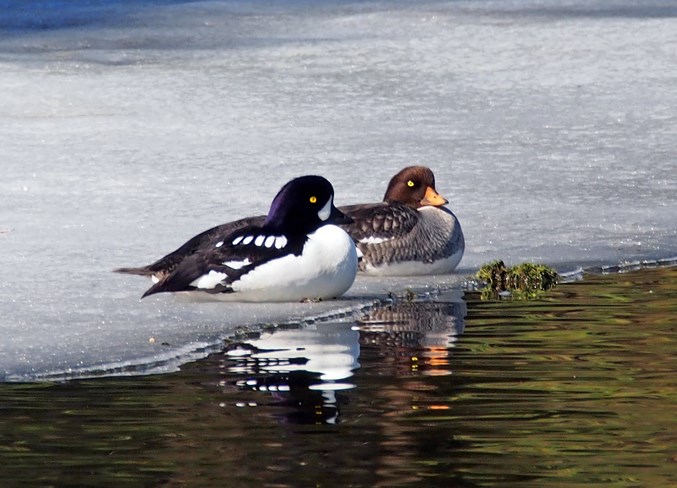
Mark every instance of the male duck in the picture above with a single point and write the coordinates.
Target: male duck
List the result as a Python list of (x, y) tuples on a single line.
[(297, 252), (409, 233)]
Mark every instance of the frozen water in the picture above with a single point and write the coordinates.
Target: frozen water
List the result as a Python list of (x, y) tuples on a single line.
[(126, 127)]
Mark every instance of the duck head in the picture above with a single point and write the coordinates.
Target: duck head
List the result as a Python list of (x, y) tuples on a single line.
[(304, 205), (414, 186)]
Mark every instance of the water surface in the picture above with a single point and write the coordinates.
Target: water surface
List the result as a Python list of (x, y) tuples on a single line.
[(127, 127), (574, 389)]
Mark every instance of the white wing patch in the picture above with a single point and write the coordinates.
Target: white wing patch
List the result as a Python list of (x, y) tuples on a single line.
[(237, 240), (270, 240), (247, 240), (209, 280), (237, 264), (372, 240), (259, 241), (219, 244)]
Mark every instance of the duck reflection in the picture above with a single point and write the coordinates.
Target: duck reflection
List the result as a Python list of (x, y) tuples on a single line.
[(301, 368), (308, 368), (416, 335)]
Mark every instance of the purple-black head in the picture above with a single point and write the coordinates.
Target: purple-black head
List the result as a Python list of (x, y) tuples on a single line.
[(305, 204)]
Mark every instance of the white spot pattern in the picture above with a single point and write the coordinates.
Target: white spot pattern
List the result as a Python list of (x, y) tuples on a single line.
[(219, 244), (280, 242), (268, 241)]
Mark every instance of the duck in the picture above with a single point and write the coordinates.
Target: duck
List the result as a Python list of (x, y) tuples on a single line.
[(297, 252), (410, 232)]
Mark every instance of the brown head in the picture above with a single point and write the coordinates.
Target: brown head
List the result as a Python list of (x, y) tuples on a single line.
[(414, 186)]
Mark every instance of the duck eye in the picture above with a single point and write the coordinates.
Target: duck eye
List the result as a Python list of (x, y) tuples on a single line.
[(410, 183), (313, 199)]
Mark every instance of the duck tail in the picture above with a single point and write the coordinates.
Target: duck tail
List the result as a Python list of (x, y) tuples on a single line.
[(144, 271)]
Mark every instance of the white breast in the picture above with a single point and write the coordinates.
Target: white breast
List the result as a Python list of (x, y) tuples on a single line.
[(326, 269), (416, 268)]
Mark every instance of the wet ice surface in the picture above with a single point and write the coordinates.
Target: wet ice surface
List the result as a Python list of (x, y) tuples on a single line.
[(128, 127)]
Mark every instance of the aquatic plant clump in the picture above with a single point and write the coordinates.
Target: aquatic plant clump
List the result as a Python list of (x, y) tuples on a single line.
[(525, 280)]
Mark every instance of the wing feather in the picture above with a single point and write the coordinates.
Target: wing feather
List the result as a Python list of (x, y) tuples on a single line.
[(167, 264), (380, 220), (210, 257)]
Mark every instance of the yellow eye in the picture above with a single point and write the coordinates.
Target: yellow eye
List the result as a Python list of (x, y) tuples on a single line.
[(410, 183), (313, 199)]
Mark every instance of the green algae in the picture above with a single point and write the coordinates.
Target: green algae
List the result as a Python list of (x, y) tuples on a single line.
[(524, 281)]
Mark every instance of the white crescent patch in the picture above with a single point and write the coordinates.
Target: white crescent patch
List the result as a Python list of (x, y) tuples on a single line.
[(325, 211)]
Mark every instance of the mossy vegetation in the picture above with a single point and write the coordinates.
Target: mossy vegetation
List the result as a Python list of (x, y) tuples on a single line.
[(524, 281)]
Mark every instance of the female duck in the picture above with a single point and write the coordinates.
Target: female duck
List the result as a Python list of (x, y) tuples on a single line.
[(409, 233)]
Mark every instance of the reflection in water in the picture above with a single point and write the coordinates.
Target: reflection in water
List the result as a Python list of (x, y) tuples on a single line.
[(302, 367), (419, 335), (574, 389), (307, 367)]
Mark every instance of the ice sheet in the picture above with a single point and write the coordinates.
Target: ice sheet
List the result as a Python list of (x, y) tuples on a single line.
[(127, 127)]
